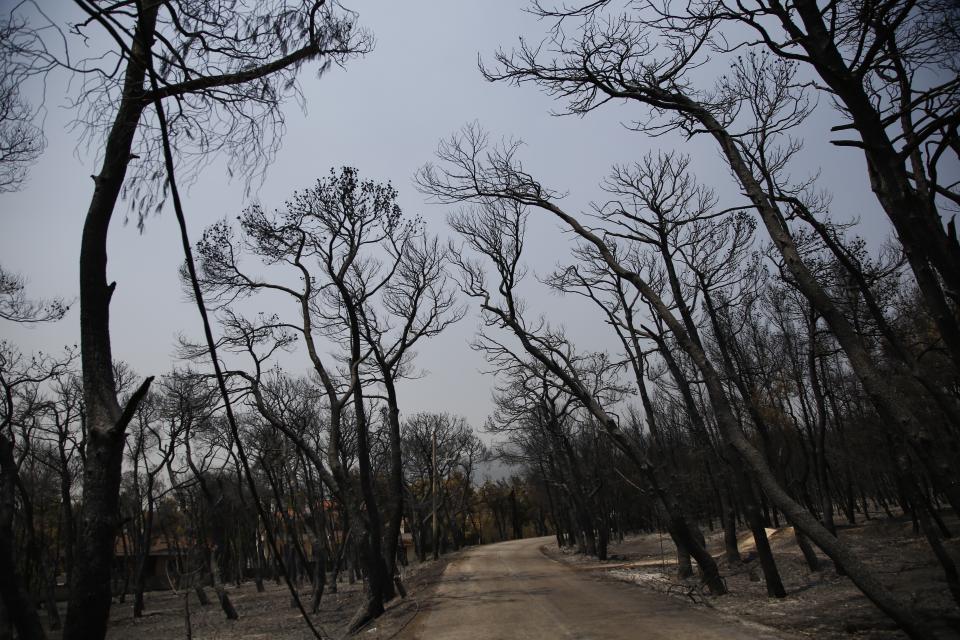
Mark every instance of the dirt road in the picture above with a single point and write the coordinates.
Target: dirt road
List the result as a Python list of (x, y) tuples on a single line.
[(512, 591)]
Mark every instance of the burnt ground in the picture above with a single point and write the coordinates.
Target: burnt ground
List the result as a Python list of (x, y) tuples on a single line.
[(820, 605), (268, 615)]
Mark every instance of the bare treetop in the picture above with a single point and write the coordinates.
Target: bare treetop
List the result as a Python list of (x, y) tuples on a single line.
[(228, 66), (15, 306)]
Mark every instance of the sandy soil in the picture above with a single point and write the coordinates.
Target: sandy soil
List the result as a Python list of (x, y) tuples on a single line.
[(820, 605), (511, 591)]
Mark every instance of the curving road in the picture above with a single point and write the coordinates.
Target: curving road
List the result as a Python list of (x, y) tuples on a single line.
[(512, 591)]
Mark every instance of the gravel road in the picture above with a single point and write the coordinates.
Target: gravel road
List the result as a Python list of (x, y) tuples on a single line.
[(513, 591)]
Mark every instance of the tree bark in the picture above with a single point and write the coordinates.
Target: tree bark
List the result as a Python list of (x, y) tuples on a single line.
[(919, 228), (319, 575), (767, 562), (222, 596), (395, 482), (898, 609), (202, 597), (89, 604), (140, 578), (730, 544), (17, 602)]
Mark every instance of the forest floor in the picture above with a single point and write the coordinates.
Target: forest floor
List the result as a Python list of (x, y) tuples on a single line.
[(268, 615), (820, 605)]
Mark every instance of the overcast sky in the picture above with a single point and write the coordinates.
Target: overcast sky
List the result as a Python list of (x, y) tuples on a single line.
[(384, 114)]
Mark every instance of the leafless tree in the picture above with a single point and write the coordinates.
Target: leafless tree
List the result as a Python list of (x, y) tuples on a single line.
[(417, 303), (21, 141), (473, 171), (225, 69), (18, 374), (667, 225), (496, 232), (156, 435), (540, 419), (440, 455), (21, 379), (16, 306), (368, 288), (891, 71), (751, 113)]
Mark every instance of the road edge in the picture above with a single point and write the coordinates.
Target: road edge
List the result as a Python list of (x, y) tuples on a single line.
[(607, 575)]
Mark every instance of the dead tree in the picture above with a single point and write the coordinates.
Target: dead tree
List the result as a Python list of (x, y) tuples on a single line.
[(16, 306), (228, 69), (156, 437), (20, 380), (474, 172), (540, 419), (417, 303), (21, 141), (345, 240), (446, 476), (496, 232), (647, 60), (870, 59)]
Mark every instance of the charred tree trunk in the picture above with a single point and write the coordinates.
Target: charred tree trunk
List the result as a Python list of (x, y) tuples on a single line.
[(859, 572), (767, 562), (140, 577), (66, 510), (515, 515), (17, 603), (89, 606), (225, 604), (684, 566), (201, 595), (809, 555), (728, 510), (6, 626), (378, 587), (395, 483), (319, 575), (261, 563), (187, 622)]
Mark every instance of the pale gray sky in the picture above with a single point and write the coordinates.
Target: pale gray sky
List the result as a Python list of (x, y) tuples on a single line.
[(383, 114)]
